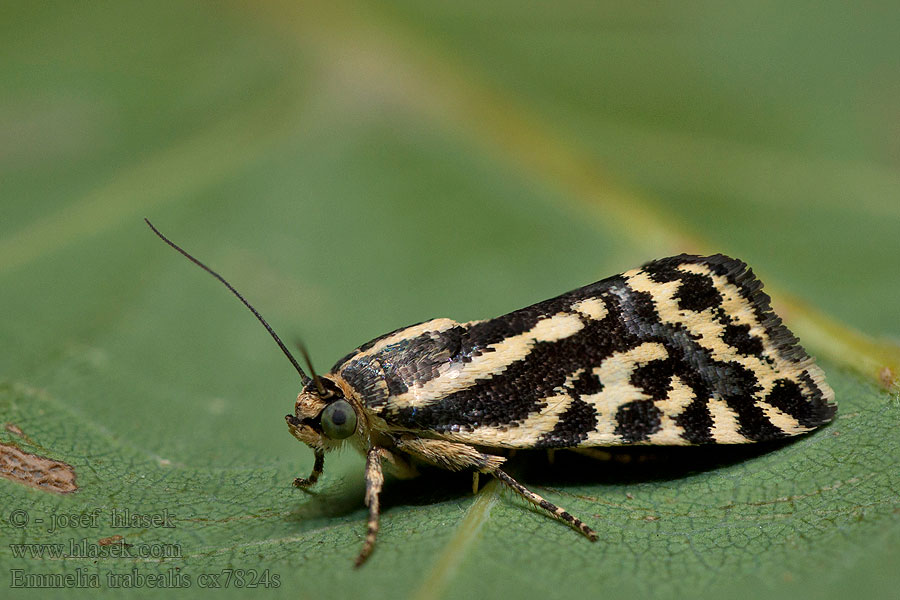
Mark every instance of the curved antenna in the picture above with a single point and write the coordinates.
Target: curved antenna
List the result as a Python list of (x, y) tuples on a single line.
[(303, 376)]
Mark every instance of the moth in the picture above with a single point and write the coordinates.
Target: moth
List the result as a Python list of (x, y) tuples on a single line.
[(682, 351)]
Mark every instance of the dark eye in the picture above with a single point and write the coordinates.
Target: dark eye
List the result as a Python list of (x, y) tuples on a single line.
[(338, 420)]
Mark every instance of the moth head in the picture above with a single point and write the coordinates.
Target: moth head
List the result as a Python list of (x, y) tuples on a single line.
[(323, 416)]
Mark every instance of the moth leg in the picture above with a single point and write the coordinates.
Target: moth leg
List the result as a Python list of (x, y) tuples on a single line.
[(452, 456), (374, 481), (318, 466), (398, 464), (456, 457), (554, 510)]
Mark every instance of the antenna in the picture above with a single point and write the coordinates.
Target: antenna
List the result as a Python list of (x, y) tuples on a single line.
[(304, 378)]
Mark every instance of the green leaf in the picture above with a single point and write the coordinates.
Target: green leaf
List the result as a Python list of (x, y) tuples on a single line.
[(358, 168)]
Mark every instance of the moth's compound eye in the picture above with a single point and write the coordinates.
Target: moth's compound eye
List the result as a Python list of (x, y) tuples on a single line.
[(338, 420)]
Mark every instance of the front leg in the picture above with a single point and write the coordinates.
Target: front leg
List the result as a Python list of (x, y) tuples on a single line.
[(318, 466), (374, 482)]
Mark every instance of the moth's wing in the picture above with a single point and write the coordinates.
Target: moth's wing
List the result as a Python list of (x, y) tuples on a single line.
[(386, 367), (685, 350)]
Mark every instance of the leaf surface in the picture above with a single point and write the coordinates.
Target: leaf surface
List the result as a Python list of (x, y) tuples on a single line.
[(355, 168)]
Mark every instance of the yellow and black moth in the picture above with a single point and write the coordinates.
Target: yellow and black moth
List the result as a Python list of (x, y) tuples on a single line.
[(682, 351)]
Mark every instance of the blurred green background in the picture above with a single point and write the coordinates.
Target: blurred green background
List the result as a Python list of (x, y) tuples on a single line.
[(354, 167)]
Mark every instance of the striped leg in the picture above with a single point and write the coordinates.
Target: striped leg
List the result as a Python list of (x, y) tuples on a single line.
[(554, 510), (318, 466), (374, 481)]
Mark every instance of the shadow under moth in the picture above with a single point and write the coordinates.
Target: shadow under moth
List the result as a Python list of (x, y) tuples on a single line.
[(682, 351)]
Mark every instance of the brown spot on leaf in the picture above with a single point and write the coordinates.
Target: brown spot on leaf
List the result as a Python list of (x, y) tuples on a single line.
[(109, 540), (16, 430), (36, 471)]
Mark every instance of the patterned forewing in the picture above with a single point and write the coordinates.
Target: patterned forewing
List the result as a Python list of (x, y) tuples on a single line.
[(684, 350)]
